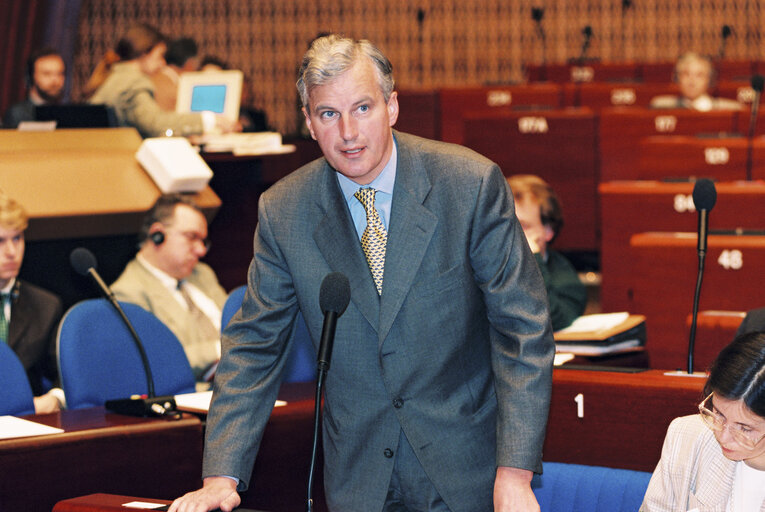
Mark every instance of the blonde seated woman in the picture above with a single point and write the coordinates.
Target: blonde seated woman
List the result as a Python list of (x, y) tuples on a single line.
[(694, 74), (715, 460)]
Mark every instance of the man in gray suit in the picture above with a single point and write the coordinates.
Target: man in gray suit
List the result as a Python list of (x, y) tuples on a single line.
[(441, 374)]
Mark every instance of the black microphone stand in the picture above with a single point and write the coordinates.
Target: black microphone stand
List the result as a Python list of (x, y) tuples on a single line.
[(697, 293)]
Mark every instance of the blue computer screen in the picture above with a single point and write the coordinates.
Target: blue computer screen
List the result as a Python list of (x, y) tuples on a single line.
[(208, 97)]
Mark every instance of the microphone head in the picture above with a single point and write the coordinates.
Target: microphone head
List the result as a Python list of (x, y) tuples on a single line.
[(82, 260), (587, 31), (704, 195), (726, 31), (537, 13), (335, 293), (757, 82)]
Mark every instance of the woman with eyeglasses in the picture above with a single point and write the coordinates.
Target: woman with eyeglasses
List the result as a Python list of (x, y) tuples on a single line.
[(715, 460)]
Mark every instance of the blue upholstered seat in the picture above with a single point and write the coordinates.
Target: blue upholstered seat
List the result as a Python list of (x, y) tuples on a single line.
[(301, 365), (580, 488), (16, 397), (99, 361)]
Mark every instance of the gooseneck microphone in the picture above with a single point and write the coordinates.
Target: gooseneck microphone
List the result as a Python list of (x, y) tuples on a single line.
[(757, 84), (587, 33), (334, 296), (84, 262), (704, 198)]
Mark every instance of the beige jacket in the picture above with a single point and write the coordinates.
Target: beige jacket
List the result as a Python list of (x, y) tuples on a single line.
[(693, 473), (131, 94), (139, 286)]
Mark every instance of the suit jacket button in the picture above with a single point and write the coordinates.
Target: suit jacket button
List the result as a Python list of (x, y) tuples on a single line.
[(398, 403), (388, 453)]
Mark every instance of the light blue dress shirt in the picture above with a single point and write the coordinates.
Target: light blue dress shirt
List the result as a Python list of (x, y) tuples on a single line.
[(383, 184)]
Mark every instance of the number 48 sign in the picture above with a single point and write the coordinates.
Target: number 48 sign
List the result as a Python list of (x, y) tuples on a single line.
[(731, 259)]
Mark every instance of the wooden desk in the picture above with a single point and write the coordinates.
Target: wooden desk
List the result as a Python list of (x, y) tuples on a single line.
[(625, 419), (80, 182), (522, 142), (455, 102), (99, 452), (631, 207), (683, 156), (621, 129), (664, 278), (598, 95)]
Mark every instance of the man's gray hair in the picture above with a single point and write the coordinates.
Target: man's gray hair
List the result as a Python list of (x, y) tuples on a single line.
[(330, 56)]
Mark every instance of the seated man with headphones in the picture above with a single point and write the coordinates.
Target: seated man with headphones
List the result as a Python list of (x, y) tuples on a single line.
[(167, 278), (45, 78), (695, 76)]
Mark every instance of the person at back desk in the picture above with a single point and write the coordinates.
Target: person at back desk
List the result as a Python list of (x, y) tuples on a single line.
[(129, 90), (46, 77), (167, 278), (694, 74), (29, 315), (539, 212)]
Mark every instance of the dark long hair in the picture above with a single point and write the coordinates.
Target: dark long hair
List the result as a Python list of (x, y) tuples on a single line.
[(738, 373)]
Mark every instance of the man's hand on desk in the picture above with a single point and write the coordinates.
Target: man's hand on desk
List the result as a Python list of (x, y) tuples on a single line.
[(217, 492)]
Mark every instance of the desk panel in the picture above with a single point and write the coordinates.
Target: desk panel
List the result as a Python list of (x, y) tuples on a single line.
[(455, 102), (714, 330), (523, 142), (621, 129), (664, 279), (625, 416), (599, 95), (631, 207), (100, 452), (584, 72), (682, 156)]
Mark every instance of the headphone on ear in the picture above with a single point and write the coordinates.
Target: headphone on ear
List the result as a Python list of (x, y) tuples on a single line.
[(157, 237)]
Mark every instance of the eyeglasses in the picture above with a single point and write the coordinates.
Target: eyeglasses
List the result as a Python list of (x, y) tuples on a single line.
[(193, 238), (743, 435)]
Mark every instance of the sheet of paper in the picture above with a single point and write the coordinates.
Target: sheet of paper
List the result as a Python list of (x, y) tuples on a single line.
[(562, 357), (11, 426), (597, 322), (143, 504), (200, 402)]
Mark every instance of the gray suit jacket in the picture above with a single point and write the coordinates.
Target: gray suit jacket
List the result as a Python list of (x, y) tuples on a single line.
[(457, 351), (139, 286)]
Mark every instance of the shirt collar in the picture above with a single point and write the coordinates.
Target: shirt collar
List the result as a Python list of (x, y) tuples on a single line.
[(166, 279), (9, 287), (382, 183)]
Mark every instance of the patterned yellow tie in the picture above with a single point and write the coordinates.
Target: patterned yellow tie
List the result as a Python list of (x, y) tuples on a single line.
[(374, 238)]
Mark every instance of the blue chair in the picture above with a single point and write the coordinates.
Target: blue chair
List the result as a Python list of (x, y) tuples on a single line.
[(579, 488), (16, 398), (301, 364), (98, 359)]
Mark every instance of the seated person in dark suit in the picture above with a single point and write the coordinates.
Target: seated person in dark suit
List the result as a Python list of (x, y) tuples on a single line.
[(754, 321), (694, 74), (538, 209), (46, 77), (29, 315)]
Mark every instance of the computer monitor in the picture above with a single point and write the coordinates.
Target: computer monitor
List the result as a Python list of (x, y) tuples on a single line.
[(214, 91), (77, 115)]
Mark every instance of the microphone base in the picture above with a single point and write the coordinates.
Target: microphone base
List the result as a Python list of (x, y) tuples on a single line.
[(683, 373), (142, 406)]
